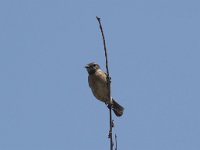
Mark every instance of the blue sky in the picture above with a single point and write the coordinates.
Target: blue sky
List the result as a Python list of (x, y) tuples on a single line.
[(153, 48)]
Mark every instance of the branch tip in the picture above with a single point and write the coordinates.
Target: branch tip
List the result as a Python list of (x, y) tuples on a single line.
[(98, 18)]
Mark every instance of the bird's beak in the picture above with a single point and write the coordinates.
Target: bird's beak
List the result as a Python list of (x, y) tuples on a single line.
[(86, 66)]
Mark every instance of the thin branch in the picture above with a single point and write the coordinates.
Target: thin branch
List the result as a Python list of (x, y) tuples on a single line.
[(115, 142), (108, 85)]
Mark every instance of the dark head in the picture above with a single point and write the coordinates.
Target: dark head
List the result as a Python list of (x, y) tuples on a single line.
[(92, 67)]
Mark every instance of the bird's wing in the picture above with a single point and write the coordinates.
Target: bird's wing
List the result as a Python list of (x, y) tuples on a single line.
[(101, 75)]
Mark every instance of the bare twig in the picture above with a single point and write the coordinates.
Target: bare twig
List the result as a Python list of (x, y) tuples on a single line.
[(108, 85), (115, 142)]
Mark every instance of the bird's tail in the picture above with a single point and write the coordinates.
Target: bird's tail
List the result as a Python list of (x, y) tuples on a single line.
[(117, 108)]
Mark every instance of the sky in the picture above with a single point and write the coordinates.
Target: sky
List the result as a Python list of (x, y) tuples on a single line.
[(153, 51)]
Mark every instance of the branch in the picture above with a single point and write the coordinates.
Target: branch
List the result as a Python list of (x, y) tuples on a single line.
[(108, 85)]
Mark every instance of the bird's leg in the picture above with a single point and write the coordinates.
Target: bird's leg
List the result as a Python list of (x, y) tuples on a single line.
[(110, 106)]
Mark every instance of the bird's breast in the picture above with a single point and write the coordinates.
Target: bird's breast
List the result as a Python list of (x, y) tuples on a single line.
[(98, 85)]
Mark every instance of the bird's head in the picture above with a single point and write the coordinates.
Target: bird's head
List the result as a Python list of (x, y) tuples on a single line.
[(92, 67)]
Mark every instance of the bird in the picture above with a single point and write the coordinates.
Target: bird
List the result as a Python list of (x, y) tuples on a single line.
[(97, 80)]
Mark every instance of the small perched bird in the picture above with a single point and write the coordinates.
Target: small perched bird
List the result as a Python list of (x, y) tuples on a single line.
[(97, 80)]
